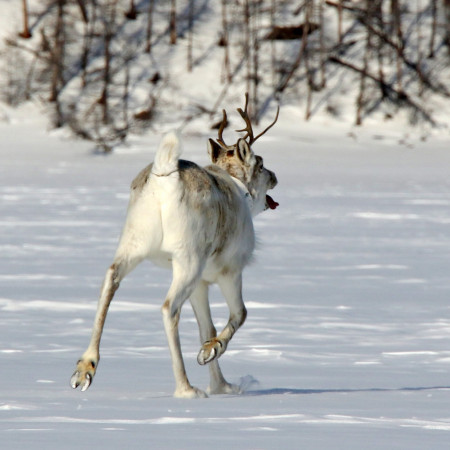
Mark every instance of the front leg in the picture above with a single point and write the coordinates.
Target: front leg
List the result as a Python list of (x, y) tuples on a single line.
[(87, 364), (213, 348), (200, 305)]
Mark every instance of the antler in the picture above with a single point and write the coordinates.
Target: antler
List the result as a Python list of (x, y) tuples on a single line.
[(270, 126), (248, 128), (223, 124), (244, 115)]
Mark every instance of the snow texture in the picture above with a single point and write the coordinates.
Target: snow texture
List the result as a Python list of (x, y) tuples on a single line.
[(346, 344)]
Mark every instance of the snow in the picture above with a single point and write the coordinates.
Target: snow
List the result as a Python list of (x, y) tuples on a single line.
[(346, 341)]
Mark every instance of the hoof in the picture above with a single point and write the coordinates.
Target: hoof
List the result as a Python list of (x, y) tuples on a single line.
[(210, 350), (224, 388), (83, 375), (190, 392)]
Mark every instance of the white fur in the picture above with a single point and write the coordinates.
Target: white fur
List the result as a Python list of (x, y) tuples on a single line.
[(167, 156), (168, 223)]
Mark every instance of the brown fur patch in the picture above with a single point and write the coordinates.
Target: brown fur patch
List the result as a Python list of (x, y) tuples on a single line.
[(141, 178), (212, 194)]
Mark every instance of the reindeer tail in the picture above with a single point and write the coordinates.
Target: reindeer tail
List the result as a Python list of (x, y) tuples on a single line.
[(167, 156)]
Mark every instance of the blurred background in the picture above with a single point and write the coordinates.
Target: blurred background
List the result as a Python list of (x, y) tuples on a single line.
[(108, 68)]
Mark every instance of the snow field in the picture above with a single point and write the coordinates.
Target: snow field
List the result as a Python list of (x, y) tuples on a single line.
[(346, 341)]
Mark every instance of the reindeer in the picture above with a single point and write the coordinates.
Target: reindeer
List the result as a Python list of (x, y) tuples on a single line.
[(198, 222)]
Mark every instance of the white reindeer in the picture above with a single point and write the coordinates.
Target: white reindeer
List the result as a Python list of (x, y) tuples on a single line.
[(198, 222)]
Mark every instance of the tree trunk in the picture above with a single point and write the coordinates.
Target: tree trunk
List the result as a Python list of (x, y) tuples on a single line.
[(397, 30), (190, 35), (255, 49), (104, 99), (434, 15), (89, 28), (323, 80), (419, 49), (340, 21), (109, 23), (173, 22), (308, 12), (447, 24), (57, 54), (58, 64), (378, 17), (83, 10), (225, 43), (362, 84), (25, 34), (125, 99), (247, 43)]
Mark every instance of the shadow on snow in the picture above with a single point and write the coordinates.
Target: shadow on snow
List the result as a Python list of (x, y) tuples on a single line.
[(288, 391)]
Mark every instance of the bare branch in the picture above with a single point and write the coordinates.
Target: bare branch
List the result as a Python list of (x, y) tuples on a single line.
[(388, 90)]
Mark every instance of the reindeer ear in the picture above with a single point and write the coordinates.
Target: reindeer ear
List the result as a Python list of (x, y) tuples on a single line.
[(214, 150), (244, 151)]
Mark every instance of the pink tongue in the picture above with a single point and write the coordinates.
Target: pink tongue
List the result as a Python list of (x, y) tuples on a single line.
[(271, 202)]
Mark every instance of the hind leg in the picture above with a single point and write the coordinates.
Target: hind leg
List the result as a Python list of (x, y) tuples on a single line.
[(87, 364), (185, 278), (200, 305)]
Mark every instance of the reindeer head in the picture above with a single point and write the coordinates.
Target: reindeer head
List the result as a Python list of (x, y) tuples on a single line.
[(241, 163)]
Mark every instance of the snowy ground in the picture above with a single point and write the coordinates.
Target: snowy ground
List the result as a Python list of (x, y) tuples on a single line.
[(346, 344)]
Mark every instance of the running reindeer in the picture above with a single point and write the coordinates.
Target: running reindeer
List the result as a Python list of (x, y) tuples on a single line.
[(198, 222)]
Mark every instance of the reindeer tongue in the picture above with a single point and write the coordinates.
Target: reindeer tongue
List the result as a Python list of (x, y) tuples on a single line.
[(271, 202)]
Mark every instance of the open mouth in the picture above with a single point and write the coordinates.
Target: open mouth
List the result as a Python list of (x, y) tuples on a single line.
[(271, 203)]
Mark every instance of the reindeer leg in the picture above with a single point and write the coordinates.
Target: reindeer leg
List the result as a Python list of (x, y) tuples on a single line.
[(185, 278), (231, 287), (87, 364), (200, 305)]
